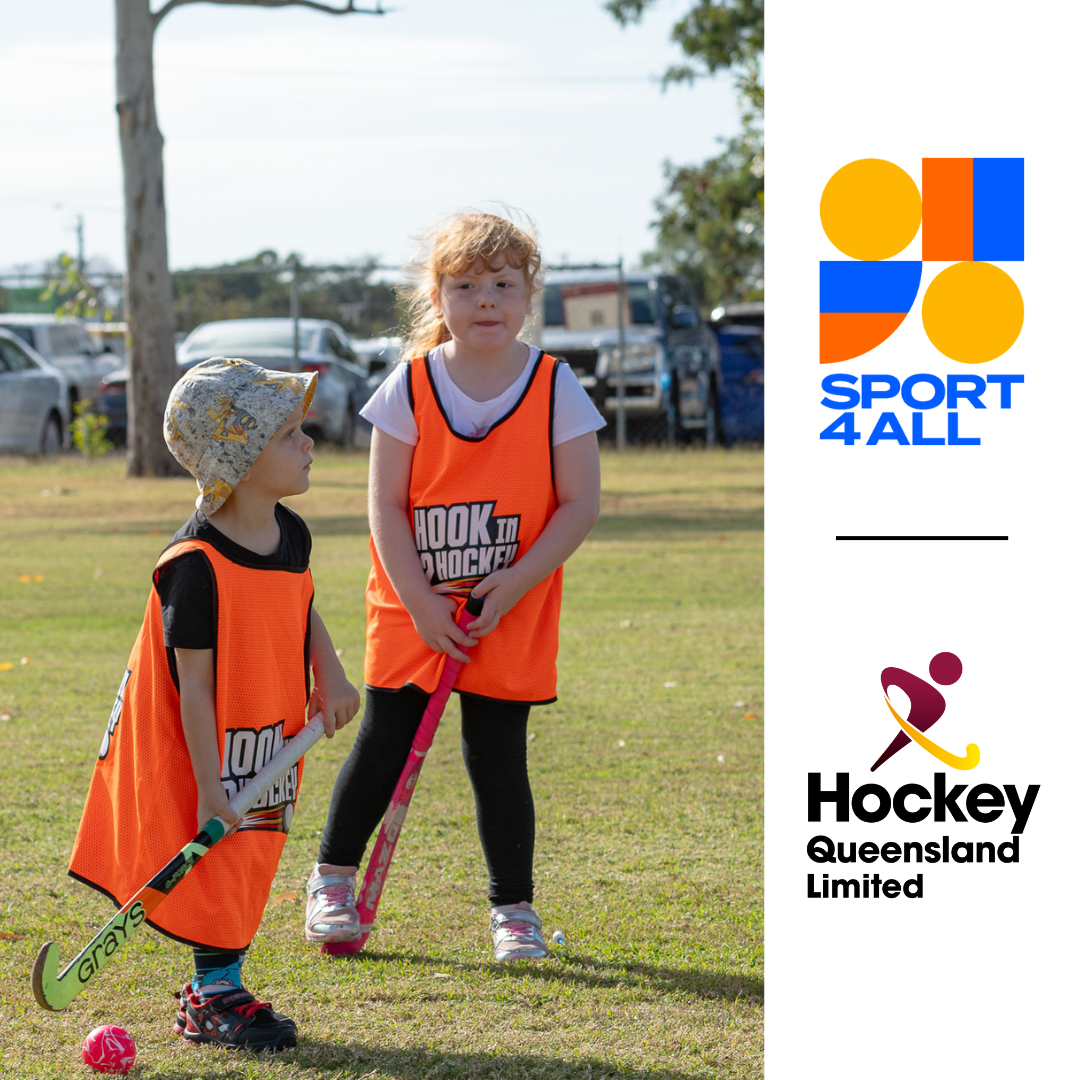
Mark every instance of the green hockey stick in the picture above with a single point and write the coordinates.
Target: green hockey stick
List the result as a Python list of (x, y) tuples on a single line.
[(57, 991)]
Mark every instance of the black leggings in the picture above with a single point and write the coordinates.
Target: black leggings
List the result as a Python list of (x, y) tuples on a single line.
[(493, 745)]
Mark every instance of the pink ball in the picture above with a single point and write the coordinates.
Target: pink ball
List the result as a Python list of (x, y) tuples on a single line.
[(109, 1049)]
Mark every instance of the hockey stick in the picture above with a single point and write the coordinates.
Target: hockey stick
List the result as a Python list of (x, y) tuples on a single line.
[(367, 901), (57, 992)]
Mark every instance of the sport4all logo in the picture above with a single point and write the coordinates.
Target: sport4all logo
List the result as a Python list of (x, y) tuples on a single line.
[(971, 213)]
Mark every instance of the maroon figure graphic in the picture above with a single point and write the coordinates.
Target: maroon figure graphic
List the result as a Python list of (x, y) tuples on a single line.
[(927, 703)]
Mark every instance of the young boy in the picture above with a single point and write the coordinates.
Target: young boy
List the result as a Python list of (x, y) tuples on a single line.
[(216, 682)]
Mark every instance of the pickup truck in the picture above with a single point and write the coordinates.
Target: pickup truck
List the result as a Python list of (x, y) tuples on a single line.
[(671, 367)]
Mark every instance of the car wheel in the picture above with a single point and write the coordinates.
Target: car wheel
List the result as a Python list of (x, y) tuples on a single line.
[(674, 414), (52, 436), (712, 416)]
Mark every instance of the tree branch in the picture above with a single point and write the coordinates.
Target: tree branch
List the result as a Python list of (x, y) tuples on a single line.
[(349, 9)]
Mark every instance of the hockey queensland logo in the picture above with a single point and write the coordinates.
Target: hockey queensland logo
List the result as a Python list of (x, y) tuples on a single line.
[(971, 213), (971, 816), (927, 708)]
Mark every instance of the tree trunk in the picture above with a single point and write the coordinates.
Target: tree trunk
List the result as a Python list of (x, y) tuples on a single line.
[(148, 300)]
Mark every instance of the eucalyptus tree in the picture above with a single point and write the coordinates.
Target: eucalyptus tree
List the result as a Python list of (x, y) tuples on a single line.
[(148, 298)]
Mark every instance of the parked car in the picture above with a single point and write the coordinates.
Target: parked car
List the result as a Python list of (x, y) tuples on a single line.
[(66, 345), (33, 400), (749, 314), (670, 370), (324, 347), (742, 367), (112, 404), (109, 337), (376, 356)]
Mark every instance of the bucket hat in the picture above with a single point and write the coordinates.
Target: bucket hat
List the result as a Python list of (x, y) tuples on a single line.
[(222, 413)]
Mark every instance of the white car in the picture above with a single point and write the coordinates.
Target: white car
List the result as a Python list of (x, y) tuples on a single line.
[(65, 344), (376, 356), (33, 399)]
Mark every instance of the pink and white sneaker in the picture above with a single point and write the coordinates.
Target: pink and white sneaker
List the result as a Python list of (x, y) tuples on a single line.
[(516, 932), (331, 907)]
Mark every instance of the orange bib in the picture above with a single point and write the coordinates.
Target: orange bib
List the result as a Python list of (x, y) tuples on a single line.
[(476, 504), (141, 807)]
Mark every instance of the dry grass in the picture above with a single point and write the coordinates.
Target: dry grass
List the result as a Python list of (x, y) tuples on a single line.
[(648, 848)]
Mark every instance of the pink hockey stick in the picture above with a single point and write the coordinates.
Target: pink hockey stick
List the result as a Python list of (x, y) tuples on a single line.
[(367, 901)]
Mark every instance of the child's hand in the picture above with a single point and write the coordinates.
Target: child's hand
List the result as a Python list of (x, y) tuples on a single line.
[(434, 618), (501, 591), (336, 698), (213, 802)]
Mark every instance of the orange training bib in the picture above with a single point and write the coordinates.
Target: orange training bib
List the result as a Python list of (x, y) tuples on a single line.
[(476, 504), (140, 810)]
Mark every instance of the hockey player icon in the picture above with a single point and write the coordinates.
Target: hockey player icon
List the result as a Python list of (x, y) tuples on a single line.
[(927, 707)]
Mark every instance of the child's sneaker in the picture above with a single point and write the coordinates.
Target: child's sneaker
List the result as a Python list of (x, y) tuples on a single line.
[(515, 932), (331, 906), (234, 1020), (181, 1022)]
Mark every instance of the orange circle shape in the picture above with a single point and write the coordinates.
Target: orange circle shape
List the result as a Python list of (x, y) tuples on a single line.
[(871, 209), (973, 312)]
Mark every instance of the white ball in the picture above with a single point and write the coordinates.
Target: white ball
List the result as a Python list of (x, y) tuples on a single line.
[(558, 938)]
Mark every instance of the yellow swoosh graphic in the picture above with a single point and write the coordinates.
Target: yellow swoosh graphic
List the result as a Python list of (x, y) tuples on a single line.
[(969, 761)]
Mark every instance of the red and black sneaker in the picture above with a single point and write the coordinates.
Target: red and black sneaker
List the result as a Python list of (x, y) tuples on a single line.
[(234, 1020)]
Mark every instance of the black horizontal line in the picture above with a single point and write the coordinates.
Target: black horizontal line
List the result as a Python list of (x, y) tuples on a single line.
[(922, 538)]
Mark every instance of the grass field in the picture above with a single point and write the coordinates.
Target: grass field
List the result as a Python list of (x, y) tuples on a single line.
[(647, 774)]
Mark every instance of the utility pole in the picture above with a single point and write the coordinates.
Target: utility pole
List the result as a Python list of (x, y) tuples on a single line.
[(620, 382), (79, 234), (294, 311)]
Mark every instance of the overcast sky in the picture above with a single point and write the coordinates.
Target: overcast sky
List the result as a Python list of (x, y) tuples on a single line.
[(337, 137)]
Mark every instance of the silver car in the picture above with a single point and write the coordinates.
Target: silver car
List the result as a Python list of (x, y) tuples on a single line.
[(65, 344), (342, 390), (33, 399)]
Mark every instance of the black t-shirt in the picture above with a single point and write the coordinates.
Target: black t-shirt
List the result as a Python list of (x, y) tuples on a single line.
[(187, 588)]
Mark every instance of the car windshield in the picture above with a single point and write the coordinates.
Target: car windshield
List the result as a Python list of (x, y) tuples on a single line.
[(595, 305), (24, 332), (752, 345), (232, 337)]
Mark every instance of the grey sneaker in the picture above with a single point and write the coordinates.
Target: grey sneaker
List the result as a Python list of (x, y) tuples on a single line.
[(331, 906), (515, 932)]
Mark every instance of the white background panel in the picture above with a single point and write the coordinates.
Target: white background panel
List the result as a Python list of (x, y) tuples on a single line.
[(977, 978)]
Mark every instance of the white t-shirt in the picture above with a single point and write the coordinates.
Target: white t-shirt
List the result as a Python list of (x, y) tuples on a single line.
[(389, 410)]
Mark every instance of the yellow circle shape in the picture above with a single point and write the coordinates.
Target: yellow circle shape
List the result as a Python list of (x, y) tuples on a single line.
[(871, 209), (973, 312)]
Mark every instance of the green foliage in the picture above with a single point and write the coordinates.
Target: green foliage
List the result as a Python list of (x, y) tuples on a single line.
[(715, 36), (88, 430), (348, 296), (711, 227), (73, 294), (712, 222)]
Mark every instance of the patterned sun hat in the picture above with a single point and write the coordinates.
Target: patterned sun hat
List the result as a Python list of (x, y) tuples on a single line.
[(222, 413)]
